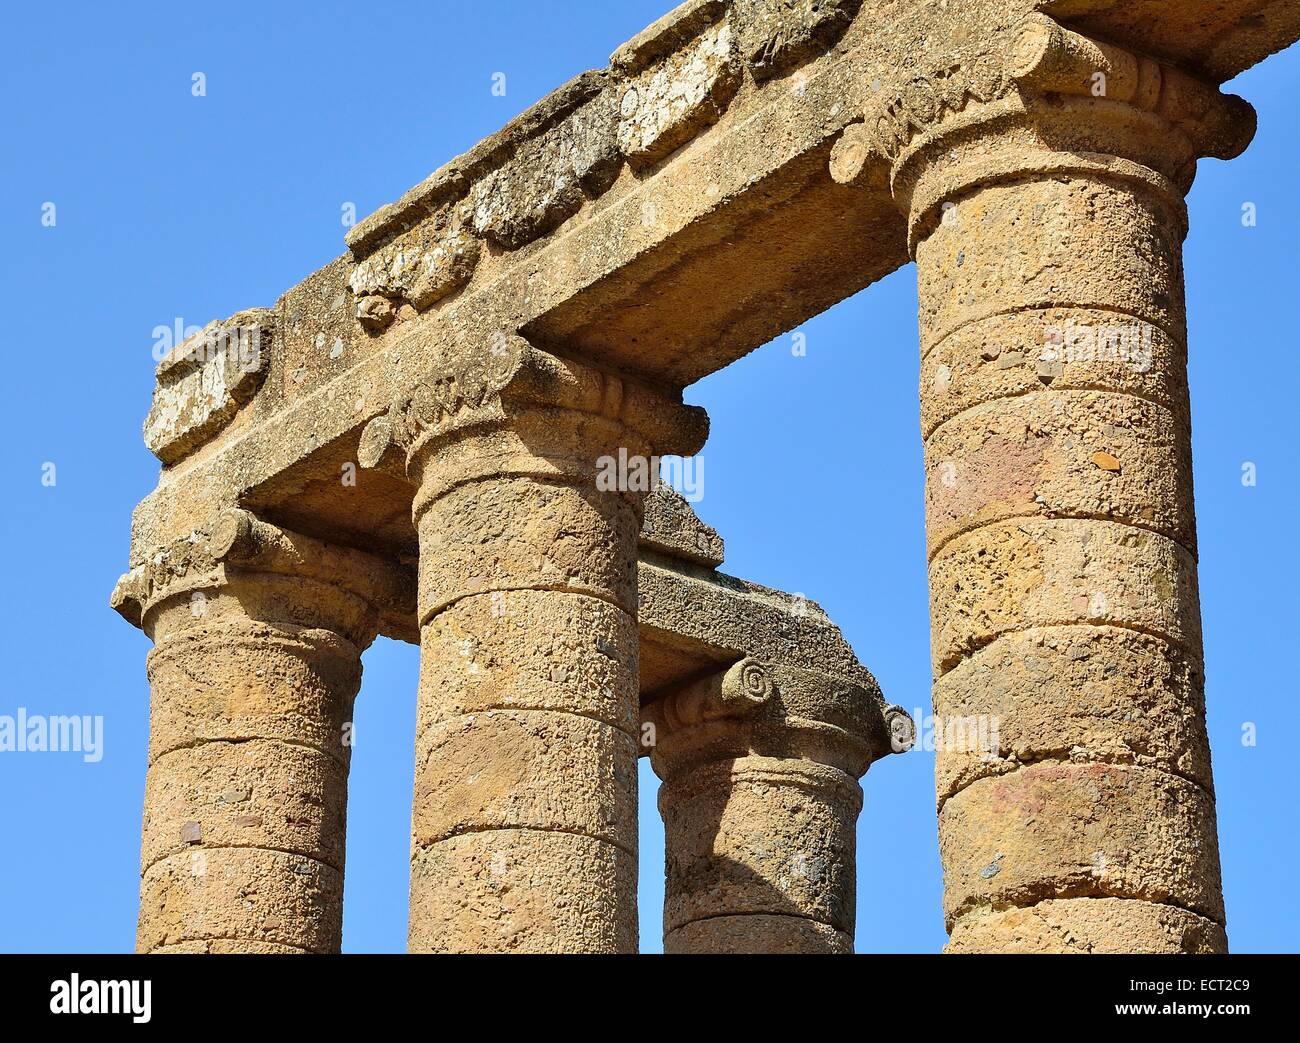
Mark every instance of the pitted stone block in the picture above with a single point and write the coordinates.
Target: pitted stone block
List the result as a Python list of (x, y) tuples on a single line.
[(445, 185), (203, 381), (777, 36), (670, 33), (668, 102), (672, 527), (1088, 925), (548, 176), (423, 265)]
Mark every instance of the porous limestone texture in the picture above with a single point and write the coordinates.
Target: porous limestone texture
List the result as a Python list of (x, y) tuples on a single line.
[(524, 820), (257, 636), (203, 382), (760, 804), (1089, 925), (1047, 223), (406, 443)]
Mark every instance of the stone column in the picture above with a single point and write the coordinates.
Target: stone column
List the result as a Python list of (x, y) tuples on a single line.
[(760, 801), (1044, 188), (524, 832), (258, 635)]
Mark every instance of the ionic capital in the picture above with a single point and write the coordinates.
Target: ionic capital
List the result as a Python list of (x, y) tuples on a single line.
[(760, 802), (524, 405), (269, 572), (759, 709), (1039, 100)]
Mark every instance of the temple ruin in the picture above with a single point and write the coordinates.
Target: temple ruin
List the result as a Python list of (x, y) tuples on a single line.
[(408, 443)]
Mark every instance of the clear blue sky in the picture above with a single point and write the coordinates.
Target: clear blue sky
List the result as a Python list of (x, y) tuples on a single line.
[(171, 206)]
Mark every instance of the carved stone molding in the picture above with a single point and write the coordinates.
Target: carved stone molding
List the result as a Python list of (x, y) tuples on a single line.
[(666, 103), (1047, 58), (481, 384), (184, 564), (1041, 57), (777, 36), (1056, 102), (548, 177), (901, 112), (419, 267), (240, 541), (773, 710), (663, 88)]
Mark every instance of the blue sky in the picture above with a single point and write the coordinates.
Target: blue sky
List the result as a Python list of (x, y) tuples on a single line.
[(171, 206)]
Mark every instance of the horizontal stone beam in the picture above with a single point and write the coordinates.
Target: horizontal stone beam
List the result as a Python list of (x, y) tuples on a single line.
[(660, 217), (693, 619), (606, 222), (1214, 39), (708, 617)]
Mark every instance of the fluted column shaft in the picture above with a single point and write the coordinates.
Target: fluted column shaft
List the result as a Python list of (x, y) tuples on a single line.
[(1047, 227)]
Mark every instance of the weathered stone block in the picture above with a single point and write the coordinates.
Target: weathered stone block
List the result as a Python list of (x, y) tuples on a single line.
[(1055, 830), (203, 382), (295, 700), (528, 650), (445, 185), (1041, 572), (1065, 349), (260, 793), (1083, 454), (525, 769), (546, 177), (760, 835), (1117, 243), (1078, 693), (523, 890), (1088, 925), (249, 895), (778, 36), (423, 265), (668, 34), (472, 543), (665, 104), (671, 527), (229, 946), (757, 934)]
